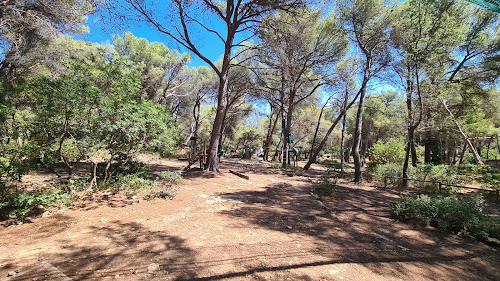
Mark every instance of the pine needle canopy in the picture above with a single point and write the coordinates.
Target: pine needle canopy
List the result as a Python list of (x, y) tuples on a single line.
[(493, 5)]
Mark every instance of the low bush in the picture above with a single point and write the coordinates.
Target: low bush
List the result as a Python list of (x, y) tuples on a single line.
[(326, 187), (490, 177), (459, 215), (133, 182), (162, 192), (439, 173), (22, 203), (122, 166), (391, 172), (172, 178), (327, 161), (293, 171)]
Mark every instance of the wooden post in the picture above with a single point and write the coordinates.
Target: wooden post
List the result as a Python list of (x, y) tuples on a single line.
[(440, 186)]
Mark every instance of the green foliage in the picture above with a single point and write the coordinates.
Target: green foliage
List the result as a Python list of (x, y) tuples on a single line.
[(276, 166), (133, 182), (23, 203), (490, 177), (292, 171), (439, 173), (250, 140), (172, 178), (391, 171), (326, 187), (328, 161), (124, 165), (458, 215), (390, 152)]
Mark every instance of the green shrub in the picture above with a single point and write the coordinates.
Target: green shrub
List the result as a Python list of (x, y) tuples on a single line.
[(134, 182), (293, 171), (326, 187), (490, 177), (390, 152), (122, 166), (459, 215), (327, 161), (439, 173), (22, 203), (76, 184), (173, 178), (162, 192), (391, 172)]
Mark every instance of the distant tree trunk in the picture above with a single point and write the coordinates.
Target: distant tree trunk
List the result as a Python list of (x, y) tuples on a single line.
[(467, 140), (93, 177), (407, 155), (342, 143), (488, 149), (314, 155), (461, 160), (498, 145), (269, 139), (427, 152), (455, 148)]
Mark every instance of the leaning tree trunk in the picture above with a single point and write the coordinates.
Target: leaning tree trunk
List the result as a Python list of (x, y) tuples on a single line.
[(314, 155), (319, 123), (473, 150)]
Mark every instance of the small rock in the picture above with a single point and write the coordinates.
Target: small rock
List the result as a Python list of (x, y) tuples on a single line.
[(12, 216), (153, 268), (11, 273)]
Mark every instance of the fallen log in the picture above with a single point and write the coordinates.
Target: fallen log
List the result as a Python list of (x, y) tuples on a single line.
[(240, 175)]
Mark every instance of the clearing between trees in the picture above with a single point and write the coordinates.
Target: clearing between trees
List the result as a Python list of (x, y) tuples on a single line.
[(223, 227)]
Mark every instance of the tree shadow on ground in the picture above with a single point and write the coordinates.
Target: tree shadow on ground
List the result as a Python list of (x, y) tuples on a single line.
[(357, 229), (128, 252)]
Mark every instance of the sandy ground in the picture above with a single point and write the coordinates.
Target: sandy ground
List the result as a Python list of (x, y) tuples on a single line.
[(222, 227)]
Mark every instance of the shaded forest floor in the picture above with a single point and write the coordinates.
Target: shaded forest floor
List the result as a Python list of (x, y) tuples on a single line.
[(222, 227)]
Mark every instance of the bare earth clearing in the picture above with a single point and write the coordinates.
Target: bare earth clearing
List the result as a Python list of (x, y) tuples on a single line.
[(222, 227)]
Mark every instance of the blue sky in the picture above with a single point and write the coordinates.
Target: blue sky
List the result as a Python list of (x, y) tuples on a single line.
[(209, 45)]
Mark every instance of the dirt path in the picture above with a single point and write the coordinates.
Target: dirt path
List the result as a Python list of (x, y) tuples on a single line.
[(222, 227)]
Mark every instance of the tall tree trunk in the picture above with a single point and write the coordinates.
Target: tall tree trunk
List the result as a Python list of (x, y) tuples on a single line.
[(467, 140), (212, 163), (359, 126), (342, 148)]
